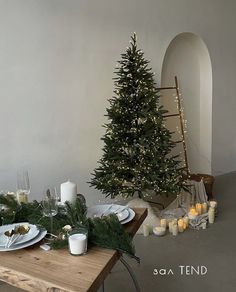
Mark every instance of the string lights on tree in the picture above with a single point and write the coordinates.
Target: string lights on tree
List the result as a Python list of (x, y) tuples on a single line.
[(137, 145)]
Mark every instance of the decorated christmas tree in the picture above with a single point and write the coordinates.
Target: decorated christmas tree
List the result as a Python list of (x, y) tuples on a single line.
[(136, 153)]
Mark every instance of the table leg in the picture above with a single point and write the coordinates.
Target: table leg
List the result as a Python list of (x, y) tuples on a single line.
[(103, 286), (132, 275)]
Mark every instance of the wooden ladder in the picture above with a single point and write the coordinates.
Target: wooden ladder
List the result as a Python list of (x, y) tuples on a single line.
[(181, 117)]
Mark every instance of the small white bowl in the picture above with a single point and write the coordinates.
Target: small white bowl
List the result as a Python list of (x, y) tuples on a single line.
[(159, 231)]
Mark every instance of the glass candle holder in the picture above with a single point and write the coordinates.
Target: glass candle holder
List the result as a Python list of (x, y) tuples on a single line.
[(78, 239)]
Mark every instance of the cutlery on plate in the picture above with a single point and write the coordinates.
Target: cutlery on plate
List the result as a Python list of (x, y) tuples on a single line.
[(15, 233), (9, 234), (20, 231)]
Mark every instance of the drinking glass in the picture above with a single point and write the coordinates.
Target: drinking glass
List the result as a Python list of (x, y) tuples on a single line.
[(23, 186), (50, 205)]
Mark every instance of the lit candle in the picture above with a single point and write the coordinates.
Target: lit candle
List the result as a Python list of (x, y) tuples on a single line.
[(185, 226), (163, 223), (211, 215), (175, 229), (204, 208), (181, 225), (192, 210), (68, 192), (146, 230), (199, 208)]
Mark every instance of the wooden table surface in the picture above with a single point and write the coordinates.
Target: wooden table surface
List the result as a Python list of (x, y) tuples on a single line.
[(34, 269)]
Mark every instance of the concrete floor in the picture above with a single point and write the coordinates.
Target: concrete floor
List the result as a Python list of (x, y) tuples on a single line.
[(214, 248)]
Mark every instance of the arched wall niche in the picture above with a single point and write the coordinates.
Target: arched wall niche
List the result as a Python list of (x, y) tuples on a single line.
[(187, 57)]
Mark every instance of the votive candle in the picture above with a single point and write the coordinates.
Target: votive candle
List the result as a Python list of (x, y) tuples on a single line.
[(78, 244)]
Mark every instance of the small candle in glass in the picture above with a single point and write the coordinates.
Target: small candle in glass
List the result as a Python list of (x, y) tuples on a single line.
[(78, 238)]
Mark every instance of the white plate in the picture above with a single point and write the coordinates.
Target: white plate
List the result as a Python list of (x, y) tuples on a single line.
[(105, 210), (33, 232), (130, 218), (40, 236)]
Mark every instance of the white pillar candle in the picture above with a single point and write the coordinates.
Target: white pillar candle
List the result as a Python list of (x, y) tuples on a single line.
[(163, 223), (186, 221), (175, 229), (211, 215), (204, 208), (146, 230), (68, 192), (78, 243), (170, 226)]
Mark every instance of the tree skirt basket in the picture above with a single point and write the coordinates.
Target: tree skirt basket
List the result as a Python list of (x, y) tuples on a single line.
[(208, 181)]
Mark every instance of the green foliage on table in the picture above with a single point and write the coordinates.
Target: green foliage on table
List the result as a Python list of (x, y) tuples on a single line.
[(105, 232), (137, 145), (102, 234)]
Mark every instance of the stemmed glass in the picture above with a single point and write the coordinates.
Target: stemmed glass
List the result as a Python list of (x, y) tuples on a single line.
[(23, 186), (50, 205)]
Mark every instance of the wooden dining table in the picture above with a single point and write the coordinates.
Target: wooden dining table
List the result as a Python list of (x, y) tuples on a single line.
[(33, 269)]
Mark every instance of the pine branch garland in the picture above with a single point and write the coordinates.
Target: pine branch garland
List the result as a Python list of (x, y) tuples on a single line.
[(108, 232), (105, 232)]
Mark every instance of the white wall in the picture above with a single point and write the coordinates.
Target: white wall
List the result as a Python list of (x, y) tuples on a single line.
[(56, 65), (187, 58)]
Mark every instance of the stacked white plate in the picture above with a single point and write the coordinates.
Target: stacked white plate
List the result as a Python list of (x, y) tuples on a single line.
[(124, 214), (33, 236)]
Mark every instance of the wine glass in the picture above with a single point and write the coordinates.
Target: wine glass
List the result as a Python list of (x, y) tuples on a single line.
[(23, 186), (50, 205)]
